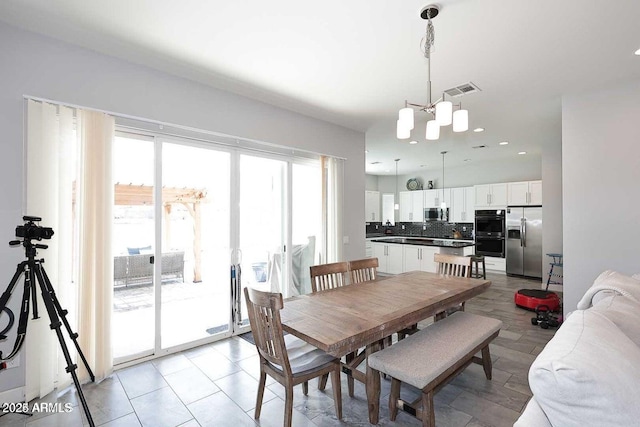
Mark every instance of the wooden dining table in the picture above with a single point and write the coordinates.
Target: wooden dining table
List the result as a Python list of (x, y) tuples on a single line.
[(342, 320)]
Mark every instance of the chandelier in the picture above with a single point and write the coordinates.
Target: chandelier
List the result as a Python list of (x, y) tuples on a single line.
[(441, 111)]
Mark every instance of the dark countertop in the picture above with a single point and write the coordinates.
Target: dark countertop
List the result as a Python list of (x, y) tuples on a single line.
[(422, 241)]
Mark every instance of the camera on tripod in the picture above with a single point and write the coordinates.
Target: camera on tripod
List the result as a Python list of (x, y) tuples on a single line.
[(30, 230)]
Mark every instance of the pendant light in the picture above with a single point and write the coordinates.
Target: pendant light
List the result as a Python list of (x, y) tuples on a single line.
[(396, 205)]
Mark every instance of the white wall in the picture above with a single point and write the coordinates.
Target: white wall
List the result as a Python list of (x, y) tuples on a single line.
[(601, 181), (42, 67), (551, 202)]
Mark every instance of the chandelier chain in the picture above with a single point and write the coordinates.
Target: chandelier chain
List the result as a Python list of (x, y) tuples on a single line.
[(428, 40)]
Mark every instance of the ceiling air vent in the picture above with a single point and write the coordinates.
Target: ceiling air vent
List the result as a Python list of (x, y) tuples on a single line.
[(480, 146), (463, 89), (375, 163)]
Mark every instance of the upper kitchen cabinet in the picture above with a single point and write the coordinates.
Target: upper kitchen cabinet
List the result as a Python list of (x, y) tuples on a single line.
[(462, 205), (372, 206), (412, 206), (491, 195), (524, 193), (433, 198)]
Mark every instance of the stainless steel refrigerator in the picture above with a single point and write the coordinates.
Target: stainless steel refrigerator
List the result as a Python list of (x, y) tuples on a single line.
[(524, 241)]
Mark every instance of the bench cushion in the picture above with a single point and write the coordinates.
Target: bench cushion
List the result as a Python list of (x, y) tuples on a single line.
[(421, 357)]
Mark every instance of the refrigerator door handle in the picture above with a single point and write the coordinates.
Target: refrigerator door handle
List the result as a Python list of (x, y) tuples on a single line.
[(523, 233)]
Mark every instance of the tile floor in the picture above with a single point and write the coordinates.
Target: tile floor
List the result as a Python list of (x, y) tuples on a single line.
[(215, 385)]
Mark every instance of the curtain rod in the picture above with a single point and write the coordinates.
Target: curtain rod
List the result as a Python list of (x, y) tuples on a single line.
[(182, 127)]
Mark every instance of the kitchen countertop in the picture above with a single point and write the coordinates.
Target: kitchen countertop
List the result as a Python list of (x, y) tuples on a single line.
[(425, 241)]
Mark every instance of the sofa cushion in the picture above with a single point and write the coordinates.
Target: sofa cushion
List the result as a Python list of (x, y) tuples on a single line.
[(622, 311), (608, 283), (532, 416), (588, 374)]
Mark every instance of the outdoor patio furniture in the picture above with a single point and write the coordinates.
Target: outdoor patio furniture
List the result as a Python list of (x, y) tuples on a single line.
[(137, 269)]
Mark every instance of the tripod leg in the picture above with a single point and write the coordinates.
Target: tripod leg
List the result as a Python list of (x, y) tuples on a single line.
[(55, 325), (63, 315)]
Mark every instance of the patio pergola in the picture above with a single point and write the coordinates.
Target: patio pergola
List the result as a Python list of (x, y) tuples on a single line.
[(191, 198)]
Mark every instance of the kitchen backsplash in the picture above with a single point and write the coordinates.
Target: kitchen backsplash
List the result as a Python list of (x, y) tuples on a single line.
[(438, 229)]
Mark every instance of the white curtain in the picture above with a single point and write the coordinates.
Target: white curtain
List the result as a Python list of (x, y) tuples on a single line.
[(333, 181), (68, 184), (50, 169), (95, 284)]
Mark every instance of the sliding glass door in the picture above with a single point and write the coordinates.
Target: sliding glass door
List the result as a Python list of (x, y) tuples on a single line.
[(194, 224)]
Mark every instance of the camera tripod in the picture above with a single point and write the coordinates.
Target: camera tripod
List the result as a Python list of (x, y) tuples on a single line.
[(35, 274)]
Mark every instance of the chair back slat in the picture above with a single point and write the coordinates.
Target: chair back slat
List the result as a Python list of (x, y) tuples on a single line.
[(264, 316), (328, 276), (453, 265), (363, 270)]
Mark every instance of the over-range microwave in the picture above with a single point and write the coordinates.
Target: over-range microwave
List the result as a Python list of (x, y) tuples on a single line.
[(436, 214)]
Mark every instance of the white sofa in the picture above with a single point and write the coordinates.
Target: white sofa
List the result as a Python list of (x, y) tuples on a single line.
[(589, 373)]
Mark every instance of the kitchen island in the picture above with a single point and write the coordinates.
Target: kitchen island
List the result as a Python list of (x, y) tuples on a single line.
[(398, 254)]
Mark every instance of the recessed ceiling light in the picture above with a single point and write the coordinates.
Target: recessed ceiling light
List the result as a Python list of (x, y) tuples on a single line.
[(413, 142), (478, 130), (504, 143), (366, 151), (522, 152), (637, 52)]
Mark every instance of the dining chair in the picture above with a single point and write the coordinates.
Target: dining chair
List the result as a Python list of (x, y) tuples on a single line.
[(363, 270), (287, 359), (452, 265), (328, 276)]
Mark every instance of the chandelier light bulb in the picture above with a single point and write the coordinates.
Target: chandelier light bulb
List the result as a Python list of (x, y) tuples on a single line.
[(460, 120), (433, 130), (402, 132), (405, 116), (443, 113)]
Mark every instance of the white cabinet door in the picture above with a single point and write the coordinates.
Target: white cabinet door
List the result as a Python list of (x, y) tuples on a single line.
[(411, 206), (482, 195), (432, 198), (469, 205), (499, 195), (417, 206), (535, 193), (517, 193), (394, 259), (389, 257), (427, 263), (372, 206), (457, 208), (524, 193), (411, 258), (491, 195), (406, 206)]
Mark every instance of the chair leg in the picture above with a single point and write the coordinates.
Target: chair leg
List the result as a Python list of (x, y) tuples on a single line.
[(428, 414), (263, 380), (288, 406), (486, 362), (337, 391), (305, 388), (322, 381), (394, 395)]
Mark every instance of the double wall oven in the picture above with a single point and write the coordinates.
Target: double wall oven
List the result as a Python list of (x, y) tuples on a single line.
[(490, 232)]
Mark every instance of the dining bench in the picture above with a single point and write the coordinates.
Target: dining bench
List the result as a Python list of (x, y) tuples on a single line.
[(432, 357)]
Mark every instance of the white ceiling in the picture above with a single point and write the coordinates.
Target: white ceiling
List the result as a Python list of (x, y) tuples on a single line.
[(355, 62)]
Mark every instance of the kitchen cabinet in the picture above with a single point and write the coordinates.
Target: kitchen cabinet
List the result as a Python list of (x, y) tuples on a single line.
[(433, 198), (462, 207), (419, 258), (524, 193), (412, 206), (491, 195), (372, 206), (389, 256)]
